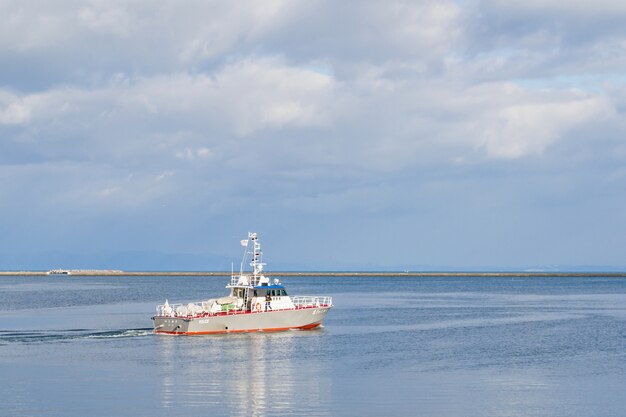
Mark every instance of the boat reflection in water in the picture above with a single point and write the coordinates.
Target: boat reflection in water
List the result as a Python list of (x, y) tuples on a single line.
[(252, 374)]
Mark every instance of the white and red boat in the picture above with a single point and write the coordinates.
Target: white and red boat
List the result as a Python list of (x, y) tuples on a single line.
[(254, 304)]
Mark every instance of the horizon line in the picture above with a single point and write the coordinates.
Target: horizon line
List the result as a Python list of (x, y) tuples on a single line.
[(492, 273)]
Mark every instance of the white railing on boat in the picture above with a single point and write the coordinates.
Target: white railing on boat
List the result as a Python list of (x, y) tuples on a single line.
[(203, 308), (238, 280), (198, 309), (173, 310), (302, 301)]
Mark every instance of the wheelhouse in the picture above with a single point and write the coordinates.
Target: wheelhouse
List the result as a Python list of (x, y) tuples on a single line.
[(272, 290)]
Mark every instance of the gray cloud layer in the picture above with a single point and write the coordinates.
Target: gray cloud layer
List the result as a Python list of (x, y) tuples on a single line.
[(398, 133)]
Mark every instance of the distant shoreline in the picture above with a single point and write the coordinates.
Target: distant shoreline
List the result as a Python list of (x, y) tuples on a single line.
[(323, 274)]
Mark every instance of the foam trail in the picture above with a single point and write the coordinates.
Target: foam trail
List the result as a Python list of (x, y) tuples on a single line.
[(47, 336), (122, 333)]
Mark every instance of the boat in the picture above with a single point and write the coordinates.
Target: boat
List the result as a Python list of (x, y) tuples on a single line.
[(254, 303), (59, 272)]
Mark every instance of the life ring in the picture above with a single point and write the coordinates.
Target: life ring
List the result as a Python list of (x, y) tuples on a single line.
[(257, 307)]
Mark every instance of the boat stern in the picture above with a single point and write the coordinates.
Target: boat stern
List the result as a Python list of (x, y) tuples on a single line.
[(170, 325)]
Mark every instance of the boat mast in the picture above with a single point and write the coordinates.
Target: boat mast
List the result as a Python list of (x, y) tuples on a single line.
[(244, 243), (257, 266)]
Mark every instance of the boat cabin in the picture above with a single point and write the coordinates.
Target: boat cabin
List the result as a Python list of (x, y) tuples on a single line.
[(255, 298), (272, 290), (270, 297)]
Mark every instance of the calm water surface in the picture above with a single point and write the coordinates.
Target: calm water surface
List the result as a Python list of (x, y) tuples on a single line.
[(82, 346)]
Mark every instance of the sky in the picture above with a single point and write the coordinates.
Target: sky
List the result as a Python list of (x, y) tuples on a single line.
[(401, 135)]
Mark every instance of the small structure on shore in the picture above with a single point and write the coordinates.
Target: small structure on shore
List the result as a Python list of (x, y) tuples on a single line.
[(59, 272)]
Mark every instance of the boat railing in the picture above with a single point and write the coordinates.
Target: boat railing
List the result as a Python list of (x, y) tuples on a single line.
[(304, 301), (237, 279), (201, 309), (194, 310), (168, 310), (246, 280)]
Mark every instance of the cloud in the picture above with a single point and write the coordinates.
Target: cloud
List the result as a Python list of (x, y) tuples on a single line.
[(521, 130), (109, 191), (521, 123), (189, 154), (109, 20), (256, 95), (573, 7), (13, 111), (162, 176), (238, 99), (408, 110)]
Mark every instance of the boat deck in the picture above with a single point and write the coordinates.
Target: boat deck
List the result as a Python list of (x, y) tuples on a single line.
[(238, 312)]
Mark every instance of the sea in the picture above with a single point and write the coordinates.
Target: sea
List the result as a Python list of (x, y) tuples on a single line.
[(391, 346)]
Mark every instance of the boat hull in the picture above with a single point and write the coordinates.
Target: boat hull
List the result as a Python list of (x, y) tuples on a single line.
[(303, 318)]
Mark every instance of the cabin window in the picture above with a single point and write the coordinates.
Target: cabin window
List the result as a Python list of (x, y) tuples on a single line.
[(283, 292)]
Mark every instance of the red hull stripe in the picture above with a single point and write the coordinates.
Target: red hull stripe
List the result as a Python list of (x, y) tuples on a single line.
[(276, 329)]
